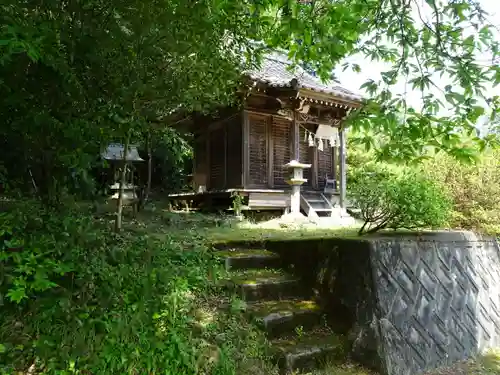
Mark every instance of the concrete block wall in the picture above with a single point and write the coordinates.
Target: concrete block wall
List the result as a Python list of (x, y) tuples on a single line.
[(438, 299)]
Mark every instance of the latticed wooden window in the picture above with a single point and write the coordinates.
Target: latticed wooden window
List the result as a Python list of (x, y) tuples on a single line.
[(281, 133), (306, 151), (200, 155), (233, 153), (258, 145), (217, 159), (325, 165)]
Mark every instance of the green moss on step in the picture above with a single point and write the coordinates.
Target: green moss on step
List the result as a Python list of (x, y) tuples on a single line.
[(309, 340), (244, 253), (258, 276), (262, 309)]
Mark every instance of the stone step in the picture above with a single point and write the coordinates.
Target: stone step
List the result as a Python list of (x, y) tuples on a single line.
[(282, 317), (307, 352), (237, 259), (264, 285)]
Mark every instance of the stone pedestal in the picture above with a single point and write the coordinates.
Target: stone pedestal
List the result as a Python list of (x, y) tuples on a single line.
[(295, 180)]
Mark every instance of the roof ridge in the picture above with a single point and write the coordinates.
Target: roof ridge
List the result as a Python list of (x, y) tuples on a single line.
[(287, 61), (274, 70)]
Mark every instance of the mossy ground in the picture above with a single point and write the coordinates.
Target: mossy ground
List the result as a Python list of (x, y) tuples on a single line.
[(300, 340), (220, 229), (243, 254)]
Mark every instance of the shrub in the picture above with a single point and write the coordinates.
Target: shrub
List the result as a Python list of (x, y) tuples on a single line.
[(474, 189), (78, 300), (397, 198)]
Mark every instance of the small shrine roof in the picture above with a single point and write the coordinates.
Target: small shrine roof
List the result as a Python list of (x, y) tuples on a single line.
[(115, 151)]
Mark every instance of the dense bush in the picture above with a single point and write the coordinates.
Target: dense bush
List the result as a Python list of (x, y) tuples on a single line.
[(78, 300), (397, 198), (171, 160), (474, 189)]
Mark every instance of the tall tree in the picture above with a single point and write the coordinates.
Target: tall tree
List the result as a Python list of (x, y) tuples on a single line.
[(422, 43), (77, 73)]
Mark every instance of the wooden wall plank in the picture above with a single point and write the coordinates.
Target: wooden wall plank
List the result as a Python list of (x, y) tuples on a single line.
[(245, 150), (270, 154), (234, 156), (282, 143), (258, 150)]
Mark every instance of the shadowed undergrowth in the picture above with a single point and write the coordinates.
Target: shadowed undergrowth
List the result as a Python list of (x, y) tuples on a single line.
[(79, 300)]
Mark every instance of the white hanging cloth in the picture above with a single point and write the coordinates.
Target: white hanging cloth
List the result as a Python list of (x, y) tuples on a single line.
[(328, 133), (320, 144), (310, 140)]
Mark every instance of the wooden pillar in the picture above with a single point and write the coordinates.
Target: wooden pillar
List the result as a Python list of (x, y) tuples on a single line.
[(315, 166), (295, 137), (209, 169), (342, 168), (224, 129), (334, 167)]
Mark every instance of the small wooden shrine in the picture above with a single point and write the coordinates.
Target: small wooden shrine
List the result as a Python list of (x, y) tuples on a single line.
[(284, 148)]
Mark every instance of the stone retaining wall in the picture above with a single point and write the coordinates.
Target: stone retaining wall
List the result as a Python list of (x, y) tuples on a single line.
[(408, 303)]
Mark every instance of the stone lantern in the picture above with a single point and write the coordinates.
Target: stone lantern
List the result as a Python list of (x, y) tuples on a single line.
[(114, 155), (295, 180)]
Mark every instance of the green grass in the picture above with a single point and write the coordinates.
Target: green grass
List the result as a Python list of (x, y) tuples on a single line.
[(221, 229), (487, 364), (249, 233)]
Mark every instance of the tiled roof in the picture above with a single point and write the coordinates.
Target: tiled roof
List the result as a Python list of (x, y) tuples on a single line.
[(275, 71)]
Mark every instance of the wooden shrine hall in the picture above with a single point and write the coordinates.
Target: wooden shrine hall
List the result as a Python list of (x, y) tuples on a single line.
[(283, 149)]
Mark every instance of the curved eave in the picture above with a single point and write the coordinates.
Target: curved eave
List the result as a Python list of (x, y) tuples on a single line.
[(330, 99)]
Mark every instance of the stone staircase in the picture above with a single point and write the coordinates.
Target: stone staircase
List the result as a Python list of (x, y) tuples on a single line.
[(315, 204), (283, 308)]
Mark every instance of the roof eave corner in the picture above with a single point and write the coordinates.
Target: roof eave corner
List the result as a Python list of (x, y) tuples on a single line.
[(330, 99)]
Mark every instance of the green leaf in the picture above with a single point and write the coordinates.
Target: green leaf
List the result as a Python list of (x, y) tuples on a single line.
[(17, 294)]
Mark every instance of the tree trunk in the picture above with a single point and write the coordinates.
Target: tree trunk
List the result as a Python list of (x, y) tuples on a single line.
[(362, 229), (377, 228), (146, 189), (123, 172), (150, 165)]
